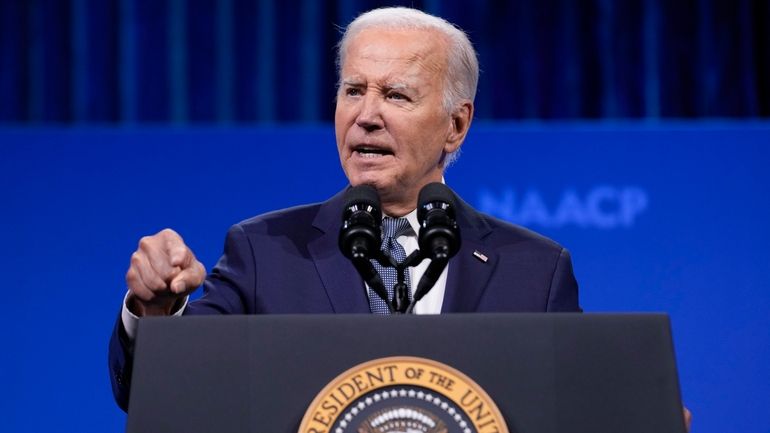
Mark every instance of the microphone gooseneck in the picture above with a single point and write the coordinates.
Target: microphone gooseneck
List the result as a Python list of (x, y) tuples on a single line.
[(360, 235), (439, 237)]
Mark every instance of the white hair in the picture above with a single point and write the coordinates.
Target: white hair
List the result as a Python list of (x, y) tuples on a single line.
[(462, 74)]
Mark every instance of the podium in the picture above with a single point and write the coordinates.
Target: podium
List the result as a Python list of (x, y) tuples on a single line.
[(547, 373)]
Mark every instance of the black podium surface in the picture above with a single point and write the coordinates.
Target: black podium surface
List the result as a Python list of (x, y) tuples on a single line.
[(547, 373)]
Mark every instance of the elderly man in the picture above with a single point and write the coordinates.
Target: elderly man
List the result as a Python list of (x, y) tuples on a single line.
[(407, 81)]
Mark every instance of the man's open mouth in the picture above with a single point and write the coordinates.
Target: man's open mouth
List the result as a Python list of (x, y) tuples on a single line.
[(371, 152)]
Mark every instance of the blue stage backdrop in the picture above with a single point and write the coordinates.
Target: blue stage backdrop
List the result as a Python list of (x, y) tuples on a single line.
[(659, 217)]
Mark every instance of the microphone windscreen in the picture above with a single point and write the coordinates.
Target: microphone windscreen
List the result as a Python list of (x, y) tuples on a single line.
[(434, 192), (362, 195)]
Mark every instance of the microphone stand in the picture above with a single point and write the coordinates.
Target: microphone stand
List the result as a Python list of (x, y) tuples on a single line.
[(372, 278), (400, 303), (429, 278)]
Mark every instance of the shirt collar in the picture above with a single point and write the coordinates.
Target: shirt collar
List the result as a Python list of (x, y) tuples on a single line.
[(412, 218)]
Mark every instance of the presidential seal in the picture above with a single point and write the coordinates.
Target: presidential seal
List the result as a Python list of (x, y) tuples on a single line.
[(402, 394)]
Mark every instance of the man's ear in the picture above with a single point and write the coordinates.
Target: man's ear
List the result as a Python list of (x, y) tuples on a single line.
[(459, 124)]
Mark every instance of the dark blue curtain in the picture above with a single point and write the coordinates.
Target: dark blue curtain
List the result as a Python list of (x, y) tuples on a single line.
[(248, 61)]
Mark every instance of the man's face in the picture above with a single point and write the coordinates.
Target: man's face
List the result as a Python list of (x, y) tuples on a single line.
[(391, 125)]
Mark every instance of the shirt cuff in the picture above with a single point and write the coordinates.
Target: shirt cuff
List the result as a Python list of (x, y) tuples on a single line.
[(131, 320)]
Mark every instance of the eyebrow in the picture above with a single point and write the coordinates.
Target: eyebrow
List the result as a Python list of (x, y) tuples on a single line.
[(351, 82), (398, 86), (388, 86)]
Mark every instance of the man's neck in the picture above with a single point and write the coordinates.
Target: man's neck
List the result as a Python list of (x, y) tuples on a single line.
[(400, 205), (398, 210)]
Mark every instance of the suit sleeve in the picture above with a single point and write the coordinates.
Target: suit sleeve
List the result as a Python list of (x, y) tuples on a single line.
[(563, 293), (120, 361), (226, 291), (229, 288)]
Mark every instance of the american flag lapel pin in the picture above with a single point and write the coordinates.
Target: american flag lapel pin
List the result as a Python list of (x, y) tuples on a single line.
[(480, 256)]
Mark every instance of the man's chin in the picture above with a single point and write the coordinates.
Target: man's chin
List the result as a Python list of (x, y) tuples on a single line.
[(383, 186), (379, 180)]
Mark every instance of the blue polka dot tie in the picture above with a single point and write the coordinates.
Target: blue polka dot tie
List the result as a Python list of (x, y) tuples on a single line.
[(391, 229)]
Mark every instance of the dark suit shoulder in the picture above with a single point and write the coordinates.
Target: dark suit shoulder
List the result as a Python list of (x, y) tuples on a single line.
[(281, 220), (505, 233)]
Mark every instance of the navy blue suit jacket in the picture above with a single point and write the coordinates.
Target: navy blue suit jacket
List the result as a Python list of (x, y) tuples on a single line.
[(289, 261)]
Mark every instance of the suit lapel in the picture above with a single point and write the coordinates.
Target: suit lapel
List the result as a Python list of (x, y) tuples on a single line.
[(343, 285), (469, 273)]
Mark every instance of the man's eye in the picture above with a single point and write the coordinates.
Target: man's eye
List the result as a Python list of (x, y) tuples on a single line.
[(398, 96), (352, 91)]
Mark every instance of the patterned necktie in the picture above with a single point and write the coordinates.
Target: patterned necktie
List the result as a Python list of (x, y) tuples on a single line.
[(391, 229)]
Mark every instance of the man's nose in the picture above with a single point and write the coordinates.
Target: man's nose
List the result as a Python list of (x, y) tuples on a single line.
[(370, 116)]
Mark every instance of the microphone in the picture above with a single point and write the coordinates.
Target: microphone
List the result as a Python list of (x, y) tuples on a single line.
[(439, 237), (360, 235), (361, 220)]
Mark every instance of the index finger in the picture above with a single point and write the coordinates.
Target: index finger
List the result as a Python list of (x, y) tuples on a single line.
[(178, 252)]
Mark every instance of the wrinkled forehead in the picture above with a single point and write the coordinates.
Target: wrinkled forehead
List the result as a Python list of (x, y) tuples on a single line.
[(424, 47)]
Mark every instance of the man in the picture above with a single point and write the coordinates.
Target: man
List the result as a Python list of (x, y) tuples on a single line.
[(407, 81)]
